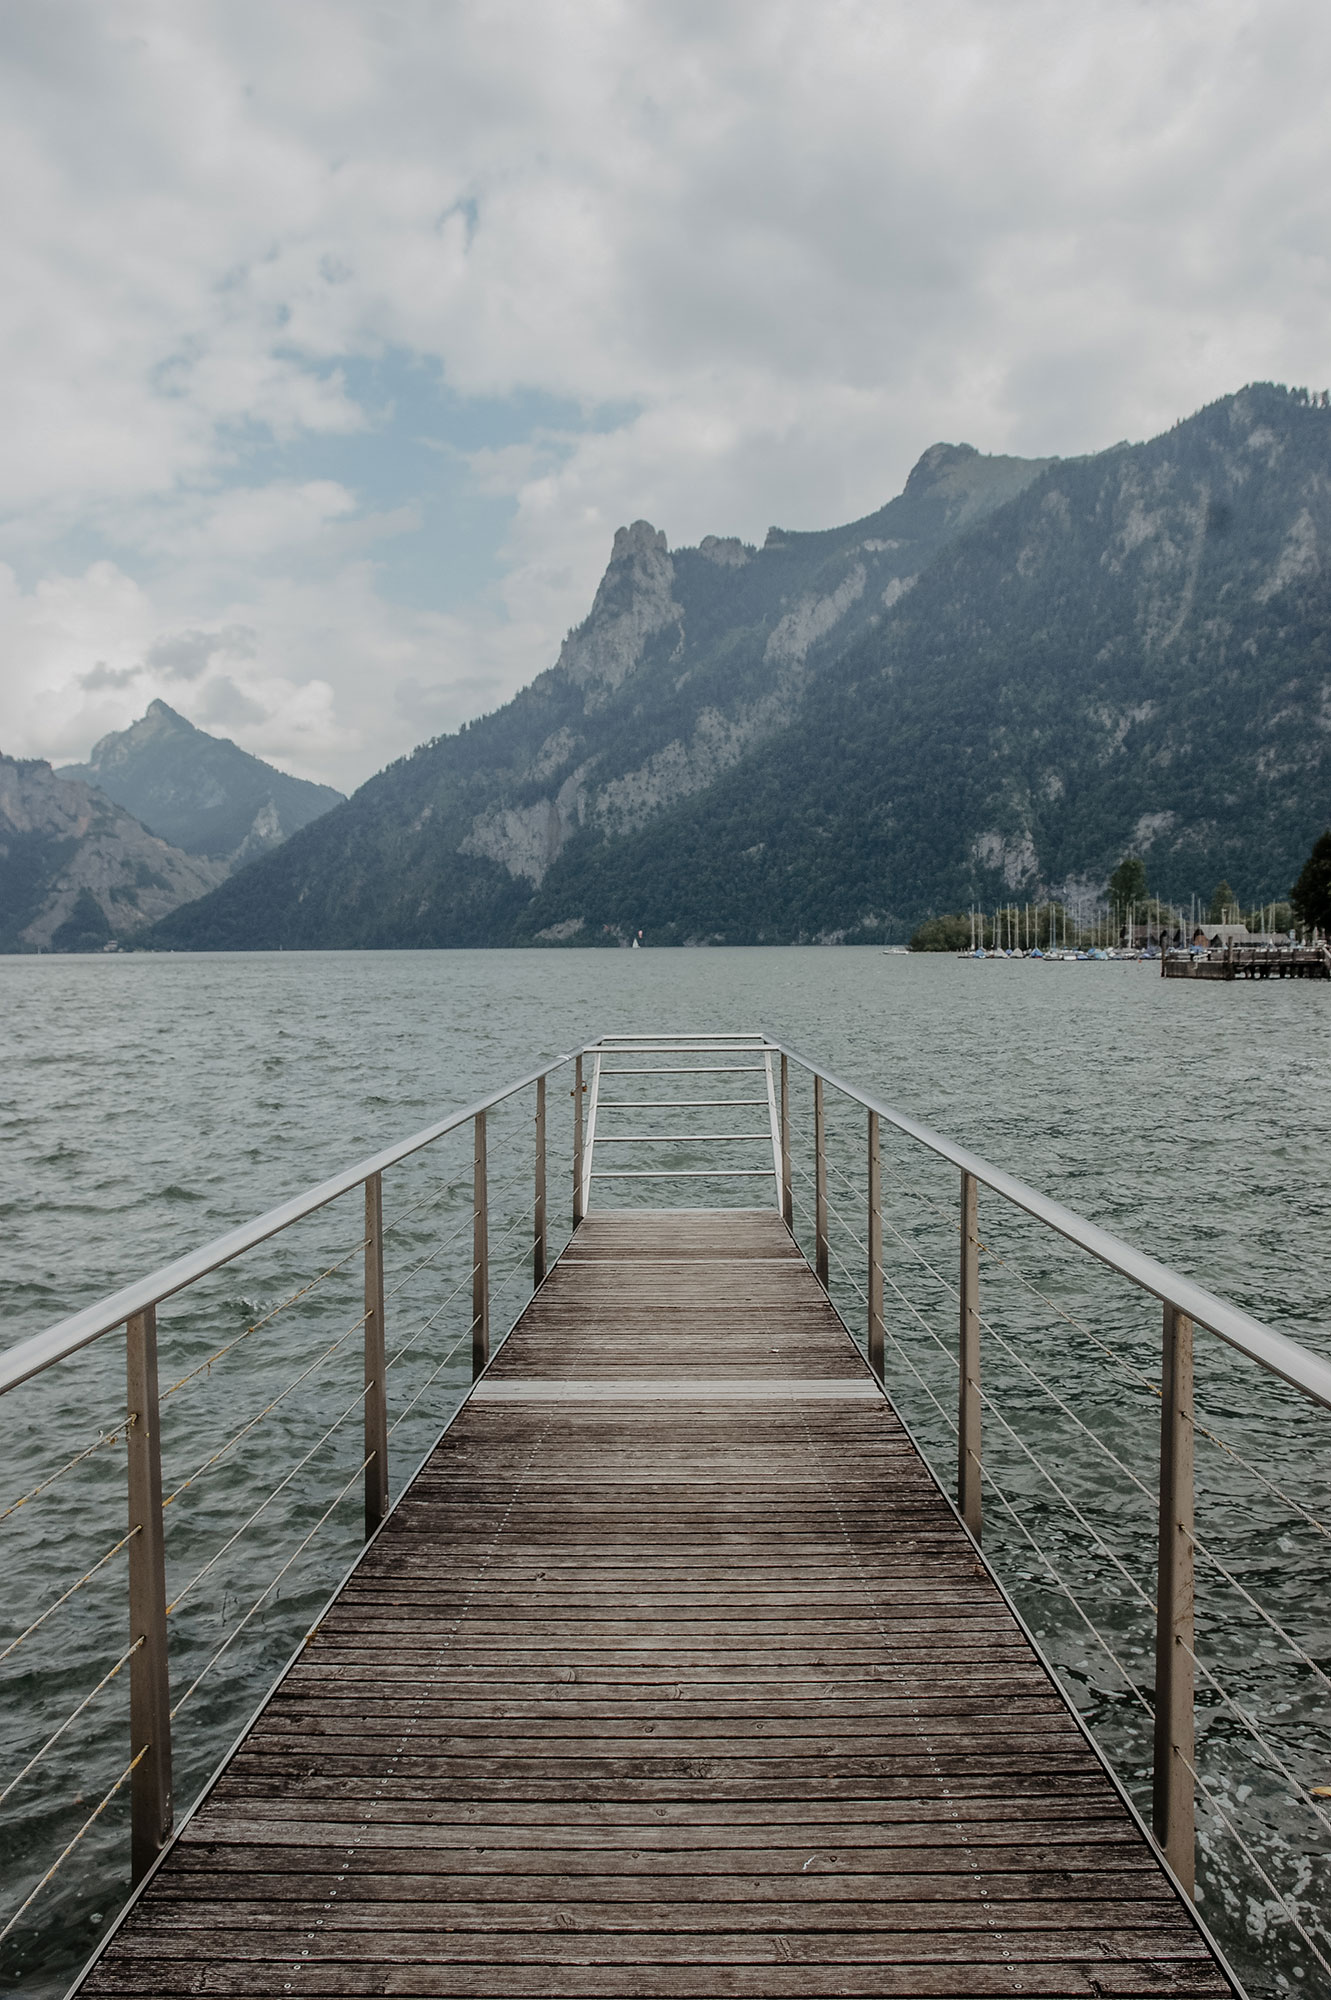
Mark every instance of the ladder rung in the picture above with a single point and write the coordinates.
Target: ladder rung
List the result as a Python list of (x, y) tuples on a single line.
[(694, 1069), (681, 1103), (703, 1045), (682, 1174), (676, 1138)]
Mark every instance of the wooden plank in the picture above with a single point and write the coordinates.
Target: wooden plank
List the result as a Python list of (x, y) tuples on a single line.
[(665, 1684)]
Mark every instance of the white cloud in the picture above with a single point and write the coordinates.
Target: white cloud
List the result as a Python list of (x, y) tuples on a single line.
[(786, 247)]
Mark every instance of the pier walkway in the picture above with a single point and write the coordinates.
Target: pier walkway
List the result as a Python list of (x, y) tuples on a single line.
[(671, 1673)]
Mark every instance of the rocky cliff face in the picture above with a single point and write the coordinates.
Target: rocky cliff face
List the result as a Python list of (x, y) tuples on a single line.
[(1132, 654), (653, 633), (202, 793), (76, 870), (686, 664)]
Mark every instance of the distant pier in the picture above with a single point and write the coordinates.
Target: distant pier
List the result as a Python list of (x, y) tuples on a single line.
[(1251, 962)]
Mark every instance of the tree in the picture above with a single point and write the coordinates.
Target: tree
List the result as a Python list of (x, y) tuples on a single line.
[(1127, 884), (952, 933), (1223, 901), (1311, 894)]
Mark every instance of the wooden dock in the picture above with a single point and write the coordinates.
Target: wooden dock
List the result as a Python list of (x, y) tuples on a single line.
[(1245, 962), (672, 1673)]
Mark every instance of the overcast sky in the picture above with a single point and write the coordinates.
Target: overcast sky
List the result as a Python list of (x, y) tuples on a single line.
[(338, 337)]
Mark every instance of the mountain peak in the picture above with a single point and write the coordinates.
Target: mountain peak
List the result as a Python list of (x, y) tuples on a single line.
[(202, 793), (633, 603), (940, 458), (642, 539)]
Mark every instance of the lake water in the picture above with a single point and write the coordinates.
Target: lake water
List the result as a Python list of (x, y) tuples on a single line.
[(148, 1103)]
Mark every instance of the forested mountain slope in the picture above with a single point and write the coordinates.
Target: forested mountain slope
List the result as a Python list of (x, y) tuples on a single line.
[(685, 664), (1134, 654), (993, 688), (202, 793)]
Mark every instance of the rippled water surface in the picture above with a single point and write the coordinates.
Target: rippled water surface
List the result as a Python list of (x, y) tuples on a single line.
[(148, 1103)]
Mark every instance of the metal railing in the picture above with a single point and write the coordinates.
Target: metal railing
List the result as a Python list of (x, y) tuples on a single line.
[(153, 1713), (670, 1057), (1178, 1668), (753, 1142)]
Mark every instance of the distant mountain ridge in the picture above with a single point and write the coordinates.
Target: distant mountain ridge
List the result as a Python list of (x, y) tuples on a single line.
[(993, 688), (201, 793), (685, 663), (77, 871)]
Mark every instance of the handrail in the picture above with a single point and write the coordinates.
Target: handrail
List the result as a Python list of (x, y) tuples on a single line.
[(1186, 1305), (67, 1336), (1275, 1352)]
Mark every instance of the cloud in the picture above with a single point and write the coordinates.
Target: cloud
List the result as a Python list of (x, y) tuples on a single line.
[(186, 655), (101, 676), (715, 266), (226, 704)]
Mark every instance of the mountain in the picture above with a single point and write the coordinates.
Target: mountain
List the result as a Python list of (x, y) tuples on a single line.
[(76, 870), (203, 794), (685, 664), (1133, 655), (994, 688)]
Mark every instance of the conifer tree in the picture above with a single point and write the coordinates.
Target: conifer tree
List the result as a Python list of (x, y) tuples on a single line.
[(1223, 903), (1311, 894)]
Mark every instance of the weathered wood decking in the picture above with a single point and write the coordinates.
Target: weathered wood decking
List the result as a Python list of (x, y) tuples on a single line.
[(671, 1674)]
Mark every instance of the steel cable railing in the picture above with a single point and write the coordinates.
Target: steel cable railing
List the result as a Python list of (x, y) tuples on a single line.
[(303, 1292), (71, 1718), (1145, 1381), (112, 1435), (433, 1319), (1129, 1367), (490, 1272), (430, 1378), (1207, 1554), (1277, 1752), (268, 1589), (1288, 1909), (66, 1594), (990, 1481), (356, 1403), (416, 1269), (1297, 1792), (68, 1849), (431, 1200), (1202, 1548), (442, 1245), (213, 1560), (216, 1457)]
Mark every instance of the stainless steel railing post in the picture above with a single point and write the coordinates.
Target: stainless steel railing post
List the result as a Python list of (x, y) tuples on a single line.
[(480, 1252), (149, 1678), (969, 1450), (376, 1383), (875, 1250), (577, 1142), (1175, 1753), (820, 1258), (538, 1252), (787, 1192)]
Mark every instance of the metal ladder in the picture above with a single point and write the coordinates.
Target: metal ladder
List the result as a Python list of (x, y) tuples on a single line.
[(675, 1056)]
